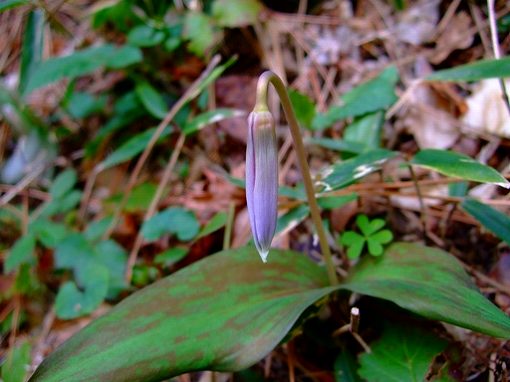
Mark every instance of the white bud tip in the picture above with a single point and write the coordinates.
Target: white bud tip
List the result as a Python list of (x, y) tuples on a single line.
[(263, 256)]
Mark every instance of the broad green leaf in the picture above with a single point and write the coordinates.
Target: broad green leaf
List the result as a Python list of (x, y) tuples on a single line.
[(63, 183), (229, 310), (8, 4), (33, 42), (217, 221), (15, 365), (303, 107), (134, 146), (21, 252), (209, 117), (174, 220), (171, 256), (403, 353), (376, 94), (62, 205), (72, 252), (151, 100), (145, 36), (474, 71), (82, 62), (199, 30), (458, 189), (239, 13), (451, 163), (225, 312), (420, 279), (343, 173), (495, 221)]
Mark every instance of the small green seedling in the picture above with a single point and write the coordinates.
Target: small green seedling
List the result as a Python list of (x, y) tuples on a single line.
[(372, 234)]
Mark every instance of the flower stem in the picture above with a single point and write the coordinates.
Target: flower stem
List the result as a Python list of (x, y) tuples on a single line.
[(261, 103)]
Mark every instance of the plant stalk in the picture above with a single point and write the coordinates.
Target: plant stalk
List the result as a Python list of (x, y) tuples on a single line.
[(261, 104)]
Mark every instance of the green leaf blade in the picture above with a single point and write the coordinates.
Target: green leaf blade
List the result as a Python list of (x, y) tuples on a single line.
[(232, 320), (458, 165), (495, 68), (495, 221), (431, 283)]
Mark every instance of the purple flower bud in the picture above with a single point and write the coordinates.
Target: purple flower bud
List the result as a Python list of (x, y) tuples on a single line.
[(262, 179)]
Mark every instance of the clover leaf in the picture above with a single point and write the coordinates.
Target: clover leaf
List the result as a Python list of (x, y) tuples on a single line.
[(371, 233)]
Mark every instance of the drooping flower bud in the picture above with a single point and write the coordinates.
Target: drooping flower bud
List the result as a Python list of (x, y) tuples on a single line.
[(262, 179)]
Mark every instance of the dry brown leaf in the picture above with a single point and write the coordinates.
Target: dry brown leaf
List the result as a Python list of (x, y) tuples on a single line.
[(453, 37)]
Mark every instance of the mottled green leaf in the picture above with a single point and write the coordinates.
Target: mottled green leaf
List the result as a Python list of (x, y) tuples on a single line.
[(343, 173), (420, 279), (475, 71), (331, 202), (292, 218), (403, 353), (229, 310), (495, 221), (458, 165), (225, 312), (81, 63)]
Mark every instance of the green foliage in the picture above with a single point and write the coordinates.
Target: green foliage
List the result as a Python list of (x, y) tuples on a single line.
[(458, 165), (420, 279), (132, 147), (215, 223), (304, 108), (33, 42), (241, 308), (151, 100), (238, 13), (82, 104), (145, 36), (171, 256), (343, 173), (475, 71), (345, 368), (22, 252), (8, 4), (199, 30), (175, 220), (403, 353), (82, 62), (372, 234), (365, 131), (292, 218), (373, 95), (495, 221), (16, 363), (200, 121)]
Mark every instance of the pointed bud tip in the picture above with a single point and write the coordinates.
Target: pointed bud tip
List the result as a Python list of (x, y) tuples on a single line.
[(263, 255)]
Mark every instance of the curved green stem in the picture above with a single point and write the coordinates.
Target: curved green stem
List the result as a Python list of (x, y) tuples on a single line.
[(261, 104)]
